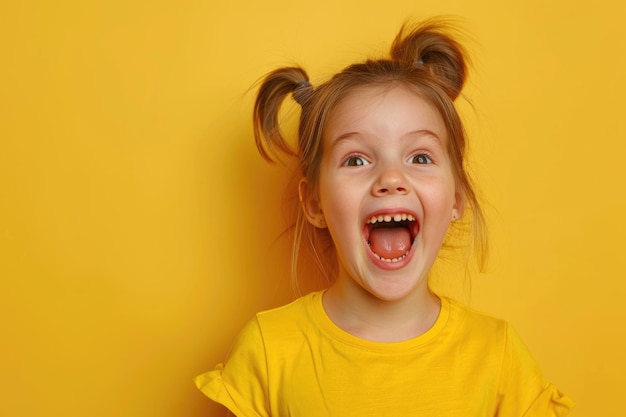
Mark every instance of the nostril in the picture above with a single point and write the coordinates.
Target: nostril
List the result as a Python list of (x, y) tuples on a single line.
[(394, 190), (390, 181)]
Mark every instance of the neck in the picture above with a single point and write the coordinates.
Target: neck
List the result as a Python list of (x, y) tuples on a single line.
[(361, 314)]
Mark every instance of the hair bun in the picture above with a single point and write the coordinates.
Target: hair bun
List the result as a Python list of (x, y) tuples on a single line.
[(431, 45)]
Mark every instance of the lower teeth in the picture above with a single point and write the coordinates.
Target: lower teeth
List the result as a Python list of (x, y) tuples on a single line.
[(390, 260)]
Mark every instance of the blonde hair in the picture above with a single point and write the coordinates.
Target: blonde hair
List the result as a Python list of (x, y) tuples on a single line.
[(425, 58)]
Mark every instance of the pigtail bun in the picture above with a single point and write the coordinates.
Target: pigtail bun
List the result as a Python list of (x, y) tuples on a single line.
[(272, 92), (431, 45)]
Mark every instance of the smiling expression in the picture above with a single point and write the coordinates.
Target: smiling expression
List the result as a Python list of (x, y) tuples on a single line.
[(386, 190)]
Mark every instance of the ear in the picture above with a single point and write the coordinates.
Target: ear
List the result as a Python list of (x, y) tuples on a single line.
[(459, 204), (310, 204)]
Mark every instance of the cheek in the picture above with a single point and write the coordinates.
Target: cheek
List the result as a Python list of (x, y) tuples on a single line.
[(437, 193), (332, 193), (335, 205)]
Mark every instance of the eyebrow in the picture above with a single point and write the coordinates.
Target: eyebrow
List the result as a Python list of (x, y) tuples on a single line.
[(421, 132)]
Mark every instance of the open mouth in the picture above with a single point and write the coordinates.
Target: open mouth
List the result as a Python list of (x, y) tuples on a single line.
[(390, 236)]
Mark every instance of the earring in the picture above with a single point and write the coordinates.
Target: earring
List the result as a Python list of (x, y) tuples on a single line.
[(454, 215)]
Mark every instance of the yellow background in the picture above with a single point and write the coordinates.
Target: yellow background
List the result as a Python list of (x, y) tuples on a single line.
[(138, 226)]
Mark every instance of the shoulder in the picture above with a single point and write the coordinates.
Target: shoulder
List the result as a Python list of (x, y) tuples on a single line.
[(479, 329), (521, 388), (289, 320), (295, 310), (470, 318), (269, 332)]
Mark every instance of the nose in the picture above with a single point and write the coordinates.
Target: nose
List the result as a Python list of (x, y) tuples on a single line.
[(390, 181)]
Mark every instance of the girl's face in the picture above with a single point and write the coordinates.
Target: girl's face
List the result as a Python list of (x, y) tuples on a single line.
[(386, 190)]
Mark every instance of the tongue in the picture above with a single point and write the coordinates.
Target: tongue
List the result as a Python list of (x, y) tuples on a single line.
[(390, 242)]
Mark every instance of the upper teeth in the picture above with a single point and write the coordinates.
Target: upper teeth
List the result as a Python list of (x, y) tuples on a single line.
[(387, 218)]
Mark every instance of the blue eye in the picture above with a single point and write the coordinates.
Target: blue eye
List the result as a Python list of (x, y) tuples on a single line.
[(421, 158), (355, 161)]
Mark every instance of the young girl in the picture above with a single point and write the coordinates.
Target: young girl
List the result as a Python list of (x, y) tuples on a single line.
[(382, 149)]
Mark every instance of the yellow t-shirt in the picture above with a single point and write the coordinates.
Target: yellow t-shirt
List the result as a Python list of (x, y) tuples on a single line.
[(294, 361)]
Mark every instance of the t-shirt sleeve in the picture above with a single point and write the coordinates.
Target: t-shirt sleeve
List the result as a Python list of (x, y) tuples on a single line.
[(240, 384), (523, 391)]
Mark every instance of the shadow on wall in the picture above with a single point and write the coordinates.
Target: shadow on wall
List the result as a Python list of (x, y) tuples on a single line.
[(256, 202)]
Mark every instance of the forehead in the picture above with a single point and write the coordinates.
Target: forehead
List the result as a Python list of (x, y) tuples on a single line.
[(383, 109)]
